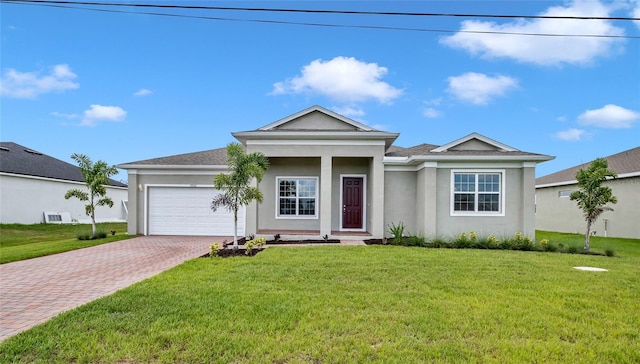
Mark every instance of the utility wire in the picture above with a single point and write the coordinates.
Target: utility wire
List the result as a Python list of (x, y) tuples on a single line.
[(317, 11), (69, 5)]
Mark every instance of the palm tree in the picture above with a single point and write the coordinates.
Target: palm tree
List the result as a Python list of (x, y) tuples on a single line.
[(96, 177), (237, 191), (592, 196)]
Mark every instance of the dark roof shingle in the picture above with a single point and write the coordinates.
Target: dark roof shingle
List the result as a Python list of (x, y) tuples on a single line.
[(205, 158), (18, 159), (621, 163)]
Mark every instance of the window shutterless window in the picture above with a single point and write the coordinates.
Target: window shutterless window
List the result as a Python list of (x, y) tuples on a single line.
[(477, 193), (564, 193), (297, 197)]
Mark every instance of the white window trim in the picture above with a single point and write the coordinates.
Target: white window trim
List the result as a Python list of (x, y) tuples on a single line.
[(564, 193), (364, 201), (503, 189), (297, 217)]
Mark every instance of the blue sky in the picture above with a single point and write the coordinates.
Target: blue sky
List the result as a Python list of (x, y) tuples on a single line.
[(122, 87)]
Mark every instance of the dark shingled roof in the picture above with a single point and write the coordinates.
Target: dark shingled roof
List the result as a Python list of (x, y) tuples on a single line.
[(18, 159), (621, 163), (205, 158), (219, 156), (425, 149)]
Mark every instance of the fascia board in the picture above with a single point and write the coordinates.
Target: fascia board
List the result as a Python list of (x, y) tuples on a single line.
[(488, 158), (320, 134), (167, 166), (575, 182)]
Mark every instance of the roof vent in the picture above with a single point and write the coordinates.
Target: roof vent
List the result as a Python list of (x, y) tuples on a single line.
[(4, 148), (31, 151)]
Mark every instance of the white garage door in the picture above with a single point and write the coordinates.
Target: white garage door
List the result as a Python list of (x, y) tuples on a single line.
[(187, 211)]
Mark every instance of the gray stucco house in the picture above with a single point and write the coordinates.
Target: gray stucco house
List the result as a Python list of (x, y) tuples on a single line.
[(33, 185), (330, 175), (556, 212)]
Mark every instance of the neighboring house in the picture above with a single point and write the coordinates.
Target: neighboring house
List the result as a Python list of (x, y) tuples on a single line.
[(33, 185), (556, 212), (330, 175)]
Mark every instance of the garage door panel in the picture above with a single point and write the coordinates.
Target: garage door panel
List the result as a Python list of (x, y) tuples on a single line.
[(187, 211)]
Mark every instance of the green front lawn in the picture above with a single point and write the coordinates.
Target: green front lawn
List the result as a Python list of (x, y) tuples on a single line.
[(19, 242), (359, 304)]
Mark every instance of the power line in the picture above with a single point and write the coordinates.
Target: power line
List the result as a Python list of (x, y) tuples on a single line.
[(318, 11), (70, 5)]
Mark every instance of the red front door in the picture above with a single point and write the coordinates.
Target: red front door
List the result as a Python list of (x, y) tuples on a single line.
[(352, 192)]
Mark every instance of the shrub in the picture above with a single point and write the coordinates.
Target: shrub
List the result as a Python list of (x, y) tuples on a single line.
[(462, 241), (88, 236), (572, 249), (492, 242), (415, 241), (397, 231), (439, 242), (252, 244), (213, 250), (84, 236)]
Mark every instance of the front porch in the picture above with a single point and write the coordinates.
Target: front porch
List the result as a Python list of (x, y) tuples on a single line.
[(313, 234)]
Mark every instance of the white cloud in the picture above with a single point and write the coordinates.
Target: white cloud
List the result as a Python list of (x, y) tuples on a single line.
[(344, 79), (478, 88), (349, 111), (635, 13), (570, 135), (28, 85), (434, 102), (609, 116), (543, 50), (64, 115), (431, 113), (102, 113), (143, 92)]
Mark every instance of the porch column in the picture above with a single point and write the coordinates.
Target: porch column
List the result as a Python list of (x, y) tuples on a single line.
[(376, 226), (134, 211), (430, 197), (251, 215), (325, 194), (528, 199)]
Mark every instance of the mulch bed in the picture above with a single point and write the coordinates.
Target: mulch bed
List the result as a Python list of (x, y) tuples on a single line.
[(374, 242), (280, 242), (228, 252)]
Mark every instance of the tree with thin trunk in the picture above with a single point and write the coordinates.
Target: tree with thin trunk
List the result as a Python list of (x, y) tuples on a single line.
[(96, 177), (236, 185), (592, 196)]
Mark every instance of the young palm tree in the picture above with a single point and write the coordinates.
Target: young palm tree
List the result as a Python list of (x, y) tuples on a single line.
[(592, 196), (96, 177), (243, 169)]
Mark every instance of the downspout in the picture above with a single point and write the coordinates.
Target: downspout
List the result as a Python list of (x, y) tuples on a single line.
[(605, 227)]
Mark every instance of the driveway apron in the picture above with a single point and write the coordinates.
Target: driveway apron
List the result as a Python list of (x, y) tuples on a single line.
[(34, 290)]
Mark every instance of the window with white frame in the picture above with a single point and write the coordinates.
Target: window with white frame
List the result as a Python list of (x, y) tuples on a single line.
[(297, 197), (477, 192), (564, 193)]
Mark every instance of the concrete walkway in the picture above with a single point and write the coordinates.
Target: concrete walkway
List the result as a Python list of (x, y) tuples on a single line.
[(33, 291)]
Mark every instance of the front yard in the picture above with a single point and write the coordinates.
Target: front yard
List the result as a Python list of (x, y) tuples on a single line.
[(359, 304), (19, 241)]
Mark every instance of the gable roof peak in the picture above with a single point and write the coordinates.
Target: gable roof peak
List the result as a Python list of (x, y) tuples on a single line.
[(477, 136), (316, 108)]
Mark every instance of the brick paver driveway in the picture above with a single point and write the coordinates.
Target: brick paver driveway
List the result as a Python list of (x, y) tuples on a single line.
[(32, 291)]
